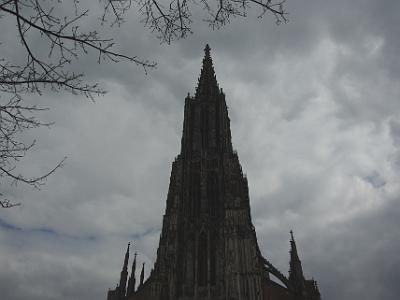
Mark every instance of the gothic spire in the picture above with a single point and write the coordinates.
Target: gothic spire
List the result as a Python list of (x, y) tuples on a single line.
[(207, 85), (126, 260), (295, 263), (296, 271), (293, 249), (142, 276), (132, 279), (124, 274)]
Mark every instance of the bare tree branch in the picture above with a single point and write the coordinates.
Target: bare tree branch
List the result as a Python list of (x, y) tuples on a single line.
[(173, 20), (66, 42), (7, 204)]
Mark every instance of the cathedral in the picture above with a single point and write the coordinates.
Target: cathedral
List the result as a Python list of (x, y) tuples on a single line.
[(208, 245)]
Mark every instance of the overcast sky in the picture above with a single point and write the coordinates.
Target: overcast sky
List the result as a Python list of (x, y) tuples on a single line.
[(315, 116)]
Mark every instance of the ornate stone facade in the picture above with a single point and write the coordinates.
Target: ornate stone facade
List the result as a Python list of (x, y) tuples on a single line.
[(208, 246)]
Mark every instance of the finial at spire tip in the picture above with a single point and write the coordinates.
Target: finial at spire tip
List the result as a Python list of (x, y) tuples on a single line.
[(207, 49)]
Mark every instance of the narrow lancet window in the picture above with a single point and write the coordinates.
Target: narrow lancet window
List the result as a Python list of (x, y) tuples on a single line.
[(202, 260)]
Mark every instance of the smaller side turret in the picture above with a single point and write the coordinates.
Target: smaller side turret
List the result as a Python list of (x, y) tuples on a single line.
[(132, 279), (141, 276), (296, 276), (120, 290), (124, 275), (303, 289)]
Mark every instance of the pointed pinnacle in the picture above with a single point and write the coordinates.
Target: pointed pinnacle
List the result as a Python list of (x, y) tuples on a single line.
[(142, 275), (125, 267), (207, 83), (207, 50), (134, 262)]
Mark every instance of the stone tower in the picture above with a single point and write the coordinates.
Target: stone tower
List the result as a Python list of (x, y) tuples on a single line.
[(208, 247)]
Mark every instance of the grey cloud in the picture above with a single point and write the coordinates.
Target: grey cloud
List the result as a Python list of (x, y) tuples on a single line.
[(314, 110)]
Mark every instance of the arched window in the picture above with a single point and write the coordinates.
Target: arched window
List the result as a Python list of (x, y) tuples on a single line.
[(212, 192), (194, 193), (213, 250), (204, 127)]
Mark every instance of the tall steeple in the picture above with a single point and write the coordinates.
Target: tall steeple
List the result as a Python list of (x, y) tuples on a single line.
[(207, 85), (206, 125), (132, 279), (124, 274), (208, 245), (296, 276)]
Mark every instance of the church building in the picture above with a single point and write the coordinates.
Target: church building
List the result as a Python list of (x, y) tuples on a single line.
[(208, 247)]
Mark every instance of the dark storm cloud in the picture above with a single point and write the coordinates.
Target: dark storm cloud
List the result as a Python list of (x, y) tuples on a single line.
[(314, 106)]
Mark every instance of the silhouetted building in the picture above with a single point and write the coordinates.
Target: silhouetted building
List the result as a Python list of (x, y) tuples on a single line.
[(208, 246)]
